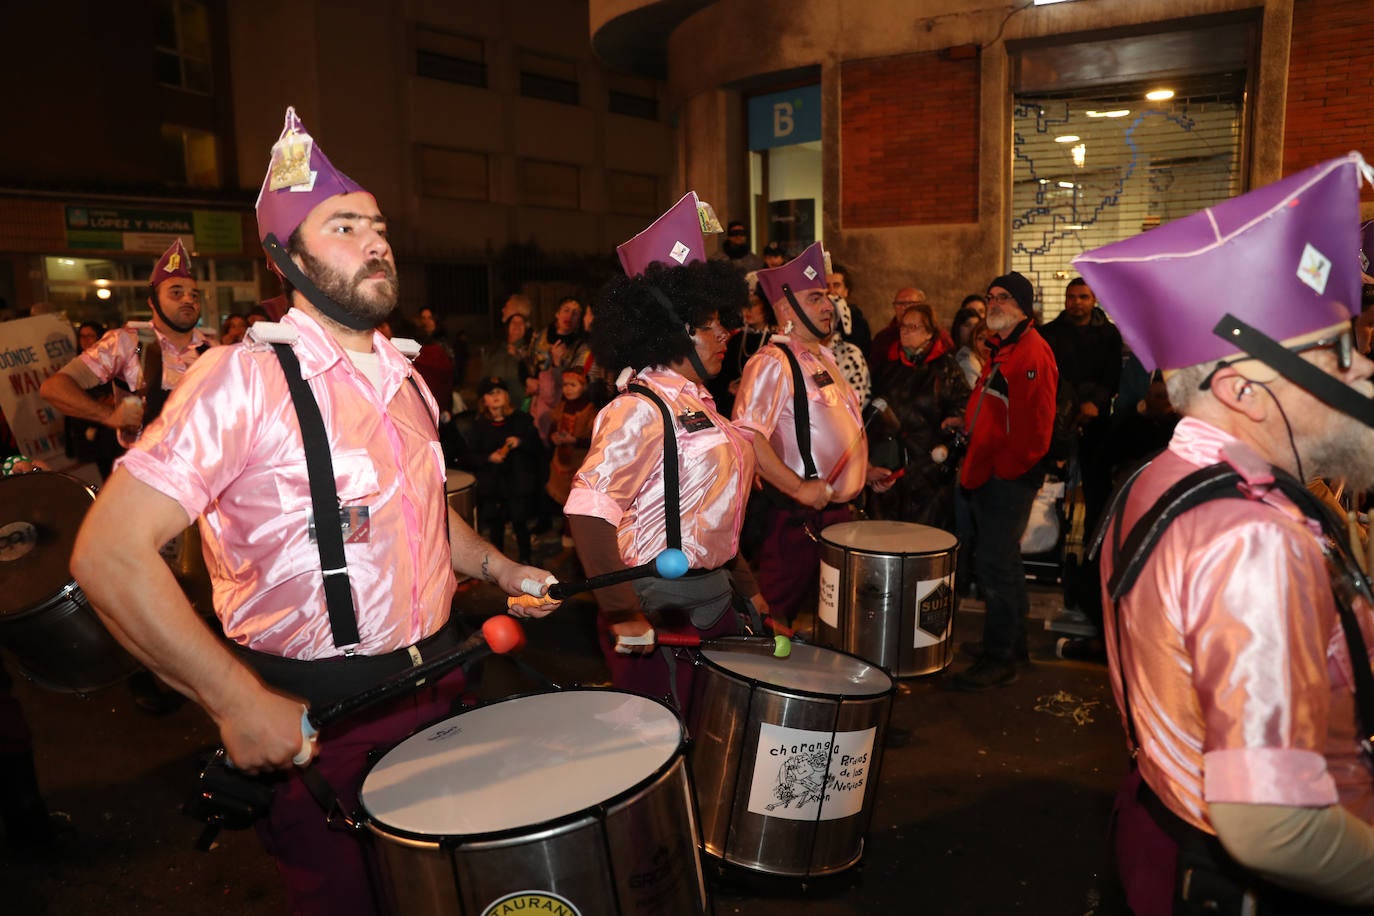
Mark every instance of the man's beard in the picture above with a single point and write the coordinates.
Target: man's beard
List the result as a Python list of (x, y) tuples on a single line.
[(348, 293), (1001, 322), (1345, 451), (736, 249)]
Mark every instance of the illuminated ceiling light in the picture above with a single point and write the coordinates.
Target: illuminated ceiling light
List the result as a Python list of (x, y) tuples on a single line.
[(1074, 226), (1067, 184), (1048, 2), (1079, 154), (66, 261), (1114, 113), (102, 282), (102, 293), (1044, 181), (1159, 95), (1066, 138)]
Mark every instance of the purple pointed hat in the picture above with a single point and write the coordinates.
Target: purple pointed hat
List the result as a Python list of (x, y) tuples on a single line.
[(298, 179), (674, 239), (175, 262), (1283, 258), (805, 271)]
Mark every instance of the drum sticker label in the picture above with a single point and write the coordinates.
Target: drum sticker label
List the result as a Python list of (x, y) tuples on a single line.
[(805, 775), (532, 902), (17, 539), (828, 601), (934, 610)]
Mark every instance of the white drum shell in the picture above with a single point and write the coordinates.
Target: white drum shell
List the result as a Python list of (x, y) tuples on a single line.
[(732, 709), (632, 853), (888, 594)]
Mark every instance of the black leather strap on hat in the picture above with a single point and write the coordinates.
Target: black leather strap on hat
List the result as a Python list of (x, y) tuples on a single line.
[(1324, 387), (801, 313), (692, 357), (309, 290)]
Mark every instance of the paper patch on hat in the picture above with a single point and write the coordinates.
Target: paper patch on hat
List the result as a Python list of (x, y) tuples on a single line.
[(291, 161), (306, 186), (679, 253), (1314, 269), (810, 272)]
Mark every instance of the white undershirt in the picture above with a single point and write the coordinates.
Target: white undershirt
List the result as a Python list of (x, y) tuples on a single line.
[(369, 364)]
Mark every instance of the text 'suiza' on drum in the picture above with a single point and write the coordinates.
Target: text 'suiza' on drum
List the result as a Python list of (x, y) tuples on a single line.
[(574, 802), (887, 594), (461, 491), (45, 620), (785, 757)]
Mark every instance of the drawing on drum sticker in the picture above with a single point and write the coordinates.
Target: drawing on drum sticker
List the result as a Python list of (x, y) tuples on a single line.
[(807, 775), (934, 609), (532, 901), (828, 601)]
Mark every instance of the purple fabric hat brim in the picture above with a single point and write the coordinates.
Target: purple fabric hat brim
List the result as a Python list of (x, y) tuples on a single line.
[(1166, 289), (281, 211), (805, 271), (674, 240), (183, 269)]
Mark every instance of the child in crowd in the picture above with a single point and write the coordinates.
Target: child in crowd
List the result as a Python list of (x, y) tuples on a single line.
[(503, 453), (570, 434)]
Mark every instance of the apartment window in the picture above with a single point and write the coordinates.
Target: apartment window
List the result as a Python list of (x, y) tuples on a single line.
[(548, 78), (183, 45), (550, 184), (190, 156), (632, 194), (631, 96), (453, 173), (451, 58)]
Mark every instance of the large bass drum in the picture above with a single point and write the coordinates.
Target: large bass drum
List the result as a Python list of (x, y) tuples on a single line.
[(574, 802), (887, 594), (785, 757), (45, 620)]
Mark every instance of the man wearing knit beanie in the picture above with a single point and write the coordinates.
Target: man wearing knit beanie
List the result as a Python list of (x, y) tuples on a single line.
[(1009, 419)]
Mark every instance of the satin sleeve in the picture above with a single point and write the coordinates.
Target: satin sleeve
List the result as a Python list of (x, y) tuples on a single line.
[(626, 451), (765, 393)]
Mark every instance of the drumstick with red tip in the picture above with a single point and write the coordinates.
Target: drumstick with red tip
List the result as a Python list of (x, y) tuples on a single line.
[(777, 646), (499, 635), (670, 564)]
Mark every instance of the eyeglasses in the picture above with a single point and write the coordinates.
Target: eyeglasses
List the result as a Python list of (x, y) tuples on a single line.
[(915, 327), (908, 302), (1343, 344), (1001, 297)]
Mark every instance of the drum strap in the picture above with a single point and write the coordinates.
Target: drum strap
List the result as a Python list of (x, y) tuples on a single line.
[(801, 413), (672, 498)]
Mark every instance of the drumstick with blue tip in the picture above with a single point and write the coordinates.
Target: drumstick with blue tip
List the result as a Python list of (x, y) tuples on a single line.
[(669, 564), (499, 635), (777, 646)]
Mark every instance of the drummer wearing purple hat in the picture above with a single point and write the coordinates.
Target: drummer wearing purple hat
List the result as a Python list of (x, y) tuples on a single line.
[(665, 469), (174, 298), (311, 450), (808, 433), (1234, 603)]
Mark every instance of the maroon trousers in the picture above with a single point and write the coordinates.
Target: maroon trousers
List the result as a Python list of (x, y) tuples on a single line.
[(789, 560)]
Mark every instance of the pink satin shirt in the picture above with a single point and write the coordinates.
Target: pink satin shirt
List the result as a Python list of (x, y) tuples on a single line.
[(1240, 680), (764, 406), (116, 356), (228, 445), (621, 479)]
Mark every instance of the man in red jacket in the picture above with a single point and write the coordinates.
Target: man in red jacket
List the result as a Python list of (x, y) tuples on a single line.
[(1010, 419)]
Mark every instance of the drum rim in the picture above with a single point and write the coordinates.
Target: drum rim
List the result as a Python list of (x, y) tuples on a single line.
[(63, 592), (454, 840), (900, 553), (802, 692)]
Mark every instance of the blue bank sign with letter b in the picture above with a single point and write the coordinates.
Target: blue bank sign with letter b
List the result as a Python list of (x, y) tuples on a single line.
[(784, 118)]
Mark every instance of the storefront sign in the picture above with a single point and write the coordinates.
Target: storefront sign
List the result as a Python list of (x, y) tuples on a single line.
[(151, 231), (785, 118), (31, 350), (217, 232)]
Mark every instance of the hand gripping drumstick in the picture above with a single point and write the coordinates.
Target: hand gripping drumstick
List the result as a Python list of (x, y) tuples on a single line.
[(880, 408), (670, 564), (499, 635), (777, 646)]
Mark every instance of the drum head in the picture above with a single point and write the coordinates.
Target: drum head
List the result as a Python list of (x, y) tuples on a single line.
[(39, 516), (458, 481), (811, 669), (889, 538), (521, 762)]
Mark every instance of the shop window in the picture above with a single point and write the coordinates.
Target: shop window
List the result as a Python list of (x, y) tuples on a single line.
[(451, 58), (190, 157), (453, 173), (183, 45), (632, 194), (548, 78), (550, 184)]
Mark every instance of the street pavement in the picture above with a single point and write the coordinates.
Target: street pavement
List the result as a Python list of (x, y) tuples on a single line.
[(988, 803)]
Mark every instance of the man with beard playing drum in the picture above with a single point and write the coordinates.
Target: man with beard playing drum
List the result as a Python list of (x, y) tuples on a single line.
[(1235, 642), (321, 594), (664, 468)]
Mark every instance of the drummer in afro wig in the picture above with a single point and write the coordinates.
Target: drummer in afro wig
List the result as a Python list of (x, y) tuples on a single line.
[(665, 469)]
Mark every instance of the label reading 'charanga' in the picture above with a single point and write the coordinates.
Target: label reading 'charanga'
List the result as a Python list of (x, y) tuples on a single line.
[(805, 775)]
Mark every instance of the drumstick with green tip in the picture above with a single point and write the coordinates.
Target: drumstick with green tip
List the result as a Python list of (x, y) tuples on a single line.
[(777, 646)]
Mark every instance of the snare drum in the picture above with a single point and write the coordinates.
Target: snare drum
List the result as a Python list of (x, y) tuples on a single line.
[(462, 495), (887, 594), (44, 618), (574, 802), (785, 757)]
